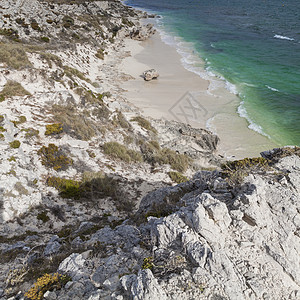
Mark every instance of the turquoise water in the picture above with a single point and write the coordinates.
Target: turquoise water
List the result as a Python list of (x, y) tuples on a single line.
[(254, 45)]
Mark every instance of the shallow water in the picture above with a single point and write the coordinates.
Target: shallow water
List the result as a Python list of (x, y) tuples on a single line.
[(253, 46)]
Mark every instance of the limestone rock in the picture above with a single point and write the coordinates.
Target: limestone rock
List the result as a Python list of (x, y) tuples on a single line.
[(150, 75)]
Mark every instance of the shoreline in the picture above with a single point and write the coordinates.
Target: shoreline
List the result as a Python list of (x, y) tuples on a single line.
[(168, 98)]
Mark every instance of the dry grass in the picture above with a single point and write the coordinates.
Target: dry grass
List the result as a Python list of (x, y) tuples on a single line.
[(144, 124), (14, 56), (11, 89), (73, 123), (118, 151)]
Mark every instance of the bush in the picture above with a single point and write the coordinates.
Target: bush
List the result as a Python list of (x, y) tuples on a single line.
[(70, 72), (179, 162), (43, 216), (11, 89), (116, 150), (144, 123), (236, 171), (177, 177), (15, 144), (47, 282), (53, 129), (31, 132), (35, 26), (92, 186), (100, 54), (53, 157), (45, 39)]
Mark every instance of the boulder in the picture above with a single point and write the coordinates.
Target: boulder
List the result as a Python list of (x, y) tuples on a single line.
[(150, 74)]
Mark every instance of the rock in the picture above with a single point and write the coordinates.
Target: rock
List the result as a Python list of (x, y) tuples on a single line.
[(142, 286), (74, 265), (150, 75), (53, 246), (50, 295)]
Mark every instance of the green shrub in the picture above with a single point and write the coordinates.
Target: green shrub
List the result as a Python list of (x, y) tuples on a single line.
[(2, 129), (116, 150), (68, 188), (11, 89), (22, 119), (144, 123), (1, 118), (92, 186), (53, 129), (177, 177), (2, 138), (15, 144), (53, 157), (12, 158), (45, 39)]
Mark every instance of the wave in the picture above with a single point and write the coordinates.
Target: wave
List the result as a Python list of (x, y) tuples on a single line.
[(243, 113), (272, 89), (282, 37)]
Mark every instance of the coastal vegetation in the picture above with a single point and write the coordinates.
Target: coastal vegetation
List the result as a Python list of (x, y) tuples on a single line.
[(11, 89)]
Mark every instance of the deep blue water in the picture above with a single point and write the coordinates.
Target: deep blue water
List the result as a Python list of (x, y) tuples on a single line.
[(254, 45)]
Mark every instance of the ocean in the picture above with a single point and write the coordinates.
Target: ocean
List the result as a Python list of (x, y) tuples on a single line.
[(250, 47)]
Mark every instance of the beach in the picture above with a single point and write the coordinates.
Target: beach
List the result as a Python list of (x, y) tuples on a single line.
[(181, 95)]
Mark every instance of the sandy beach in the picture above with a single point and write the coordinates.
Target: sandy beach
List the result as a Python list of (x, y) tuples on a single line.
[(179, 94)]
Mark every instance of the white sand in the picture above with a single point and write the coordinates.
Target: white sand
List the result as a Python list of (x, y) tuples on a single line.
[(164, 98)]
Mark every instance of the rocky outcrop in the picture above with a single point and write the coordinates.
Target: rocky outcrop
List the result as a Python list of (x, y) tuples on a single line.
[(150, 75), (219, 241)]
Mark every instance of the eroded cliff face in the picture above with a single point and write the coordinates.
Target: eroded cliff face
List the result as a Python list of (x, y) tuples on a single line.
[(88, 185)]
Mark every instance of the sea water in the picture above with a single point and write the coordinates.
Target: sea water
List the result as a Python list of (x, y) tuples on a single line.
[(252, 47)]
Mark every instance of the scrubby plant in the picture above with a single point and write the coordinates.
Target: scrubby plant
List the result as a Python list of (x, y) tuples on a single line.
[(35, 26), (68, 21), (74, 123), (70, 72), (15, 144), (119, 151), (2, 129), (144, 123), (11, 89), (9, 33), (120, 120), (236, 171), (53, 157), (47, 282), (179, 162), (148, 263), (1, 118), (177, 177), (12, 158), (53, 129), (45, 39), (2, 137), (43, 216), (92, 186), (100, 54), (14, 56), (31, 132), (22, 119), (68, 188)]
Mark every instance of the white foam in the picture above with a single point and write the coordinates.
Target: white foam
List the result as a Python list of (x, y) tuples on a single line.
[(282, 37), (272, 89), (243, 113)]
